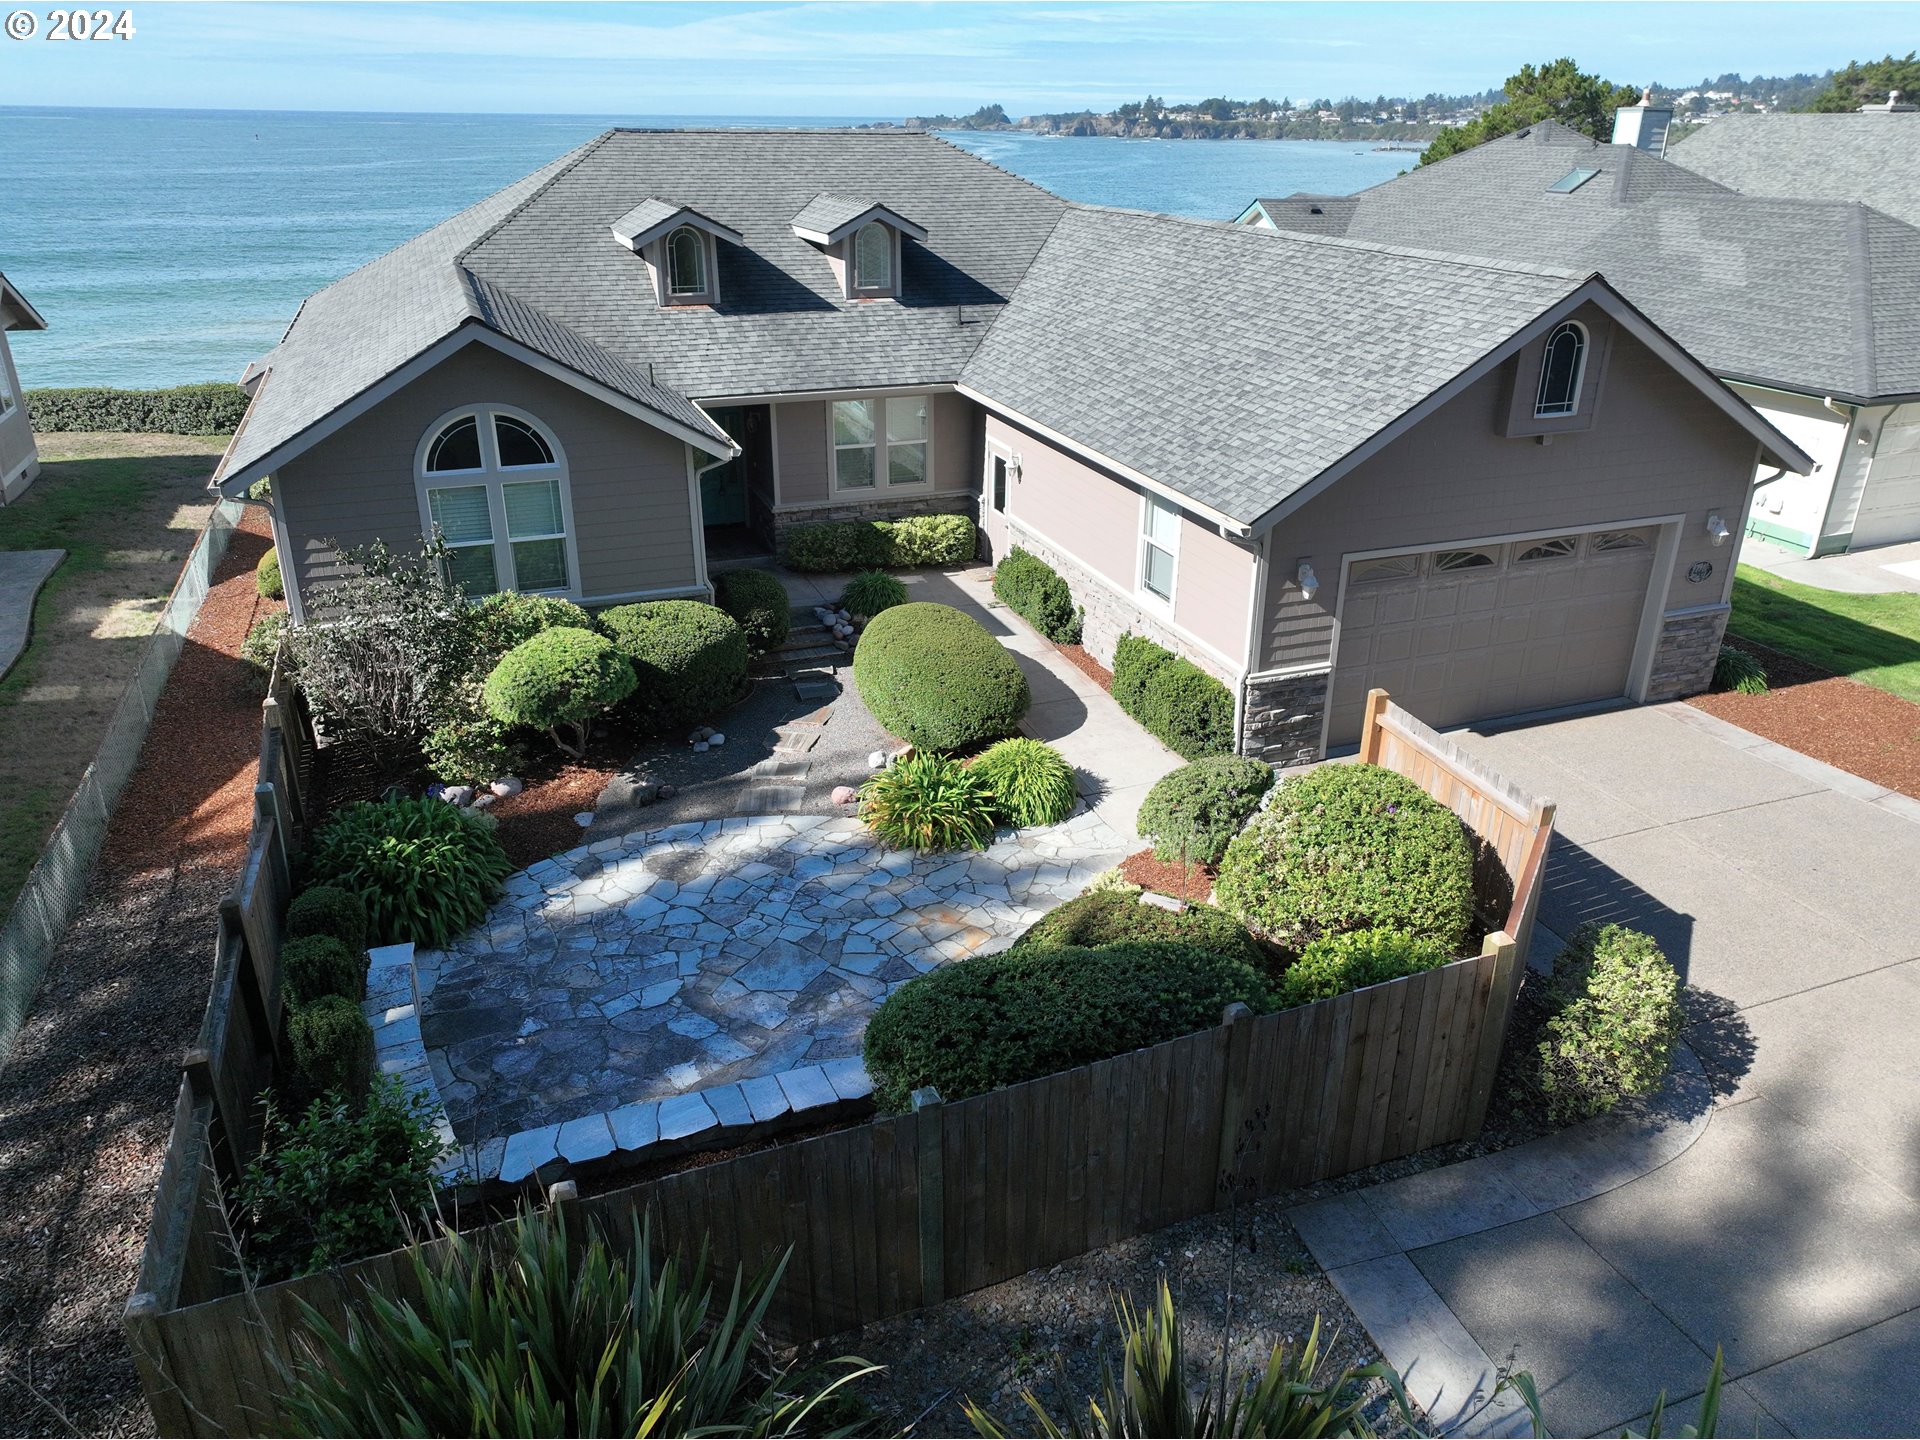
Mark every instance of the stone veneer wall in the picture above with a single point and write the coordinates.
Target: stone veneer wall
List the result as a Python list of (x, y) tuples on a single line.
[(876, 509), (1684, 657), (1280, 718)]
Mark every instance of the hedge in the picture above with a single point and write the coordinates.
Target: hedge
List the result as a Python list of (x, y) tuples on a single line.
[(933, 676), (690, 657), (1335, 964), (993, 1020), (211, 409), (835, 545), (758, 602), (1114, 917), (1033, 590), (1172, 698)]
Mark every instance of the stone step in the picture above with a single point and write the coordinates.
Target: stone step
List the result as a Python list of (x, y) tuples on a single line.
[(813, 655), (770, 797), (815, 684)]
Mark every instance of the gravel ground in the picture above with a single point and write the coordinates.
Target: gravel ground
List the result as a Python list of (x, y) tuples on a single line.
[(86, 1098)]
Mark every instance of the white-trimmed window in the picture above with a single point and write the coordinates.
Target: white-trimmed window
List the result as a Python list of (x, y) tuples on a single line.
[(1159, 547), (873, 257), (686, 262), (880, 444), (493, 486), (7, 402), (1562, 367)]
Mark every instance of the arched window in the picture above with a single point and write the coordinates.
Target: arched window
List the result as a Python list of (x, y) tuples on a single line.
[(873, 258), (1562, 368), (686, 262), (493, 487)]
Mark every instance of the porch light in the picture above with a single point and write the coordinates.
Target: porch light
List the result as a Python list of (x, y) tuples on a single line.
[(1717, 528), (1309, 582)]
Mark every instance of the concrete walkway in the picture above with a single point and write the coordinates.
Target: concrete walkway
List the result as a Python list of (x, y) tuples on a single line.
[(1878, 570), (1786, 1229), (22, 573)]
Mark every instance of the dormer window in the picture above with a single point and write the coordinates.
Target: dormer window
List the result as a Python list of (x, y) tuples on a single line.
[(1561, 370), (873, 257), (686, 262), (861, 240), (680, 247)]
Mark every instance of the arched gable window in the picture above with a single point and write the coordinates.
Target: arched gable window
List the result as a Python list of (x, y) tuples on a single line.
[(686, 262), (873, 258), (1562, 368), (493, 486)]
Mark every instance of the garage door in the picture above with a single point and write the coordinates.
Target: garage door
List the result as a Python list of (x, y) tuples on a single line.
[(1890, 508), (1467, 632)]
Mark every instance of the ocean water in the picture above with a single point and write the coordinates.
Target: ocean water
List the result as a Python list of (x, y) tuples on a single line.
[(168, 246)]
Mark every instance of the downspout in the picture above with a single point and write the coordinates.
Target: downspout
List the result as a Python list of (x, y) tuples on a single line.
[(1850, 414)]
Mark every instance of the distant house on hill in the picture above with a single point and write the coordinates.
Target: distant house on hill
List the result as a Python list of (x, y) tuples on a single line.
[(19, 459), (1749, 244)]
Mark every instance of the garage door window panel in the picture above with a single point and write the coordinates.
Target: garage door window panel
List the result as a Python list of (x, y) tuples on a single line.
[(1448, 562), (1562, 547)]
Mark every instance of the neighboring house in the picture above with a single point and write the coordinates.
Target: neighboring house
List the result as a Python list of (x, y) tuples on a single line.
[(1872, 156), (1808, 308), (19, 460), (1489, 487)]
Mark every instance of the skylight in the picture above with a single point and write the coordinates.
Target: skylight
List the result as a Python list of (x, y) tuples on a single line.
[(1571, 181)]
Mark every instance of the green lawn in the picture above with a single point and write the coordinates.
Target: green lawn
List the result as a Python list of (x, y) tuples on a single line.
[(1874, 638)]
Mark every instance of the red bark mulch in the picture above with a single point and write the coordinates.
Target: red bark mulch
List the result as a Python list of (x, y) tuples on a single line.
[(1849, 725), (538, 822), (87, 1096), (1168, 877), (1087, 665)]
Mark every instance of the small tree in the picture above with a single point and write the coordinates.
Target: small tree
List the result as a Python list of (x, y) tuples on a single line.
[(1868, 83), (559, 680), (1559, 91)]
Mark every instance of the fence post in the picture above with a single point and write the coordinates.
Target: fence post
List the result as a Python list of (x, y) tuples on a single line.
[(266, 807), (1370, 737), (1237, 1020), (1493, 1026), (929, 1129)]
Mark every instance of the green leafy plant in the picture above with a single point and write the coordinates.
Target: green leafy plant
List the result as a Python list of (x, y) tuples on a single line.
[(1135, 660), (1032, 783), (758, 602), (1152, 1391), (1173, 699), (1335, 964), (993, 1020), (266, 576), (263, 643), (211, 409), (929, 540), (691, 659), (500, 622), (1350, 847), (872, 591), (339, 1181), (315, 965), (558, 681), (424, 872), (933, 676), (1033, 590), (328, 910), (467, 745), (929, 802), (1708, 1425), (332, 1047), (1193, 812), (538, 1332), (1120, 917), (1735, 669), (1615, 1018)]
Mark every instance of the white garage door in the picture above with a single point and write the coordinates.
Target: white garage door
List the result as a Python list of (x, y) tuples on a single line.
[(1890, 508), (1468, 632)]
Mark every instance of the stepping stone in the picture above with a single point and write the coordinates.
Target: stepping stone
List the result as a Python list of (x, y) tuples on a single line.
[(685, 1115), (587, 1138), (808, 1088), (769, 798), (635, 1126)]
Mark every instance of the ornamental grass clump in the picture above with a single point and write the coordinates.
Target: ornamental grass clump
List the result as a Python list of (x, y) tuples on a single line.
[(1735, 669), (557, 681), (1120, 917), (870, 592), (1192, 813), (758, 603), (1614, 1018), (423, 869), (1335, 964), (541, 1332), (690, 659), (933, 676), (1032, 783), (929, 801), (1350, 847)]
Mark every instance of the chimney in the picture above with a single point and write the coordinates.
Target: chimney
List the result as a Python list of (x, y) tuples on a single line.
[(1894, 105), (1643, 126)]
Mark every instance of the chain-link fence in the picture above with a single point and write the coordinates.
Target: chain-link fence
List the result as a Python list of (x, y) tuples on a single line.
[(59, 877)]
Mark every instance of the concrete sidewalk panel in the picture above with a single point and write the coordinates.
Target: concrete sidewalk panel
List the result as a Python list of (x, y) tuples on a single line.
[(1342, 1230), (1861, 1384)]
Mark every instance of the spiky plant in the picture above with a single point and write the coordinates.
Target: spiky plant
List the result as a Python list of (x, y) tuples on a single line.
[(929, 802), (1737, 670), (1706, 1426), (1032, 782)]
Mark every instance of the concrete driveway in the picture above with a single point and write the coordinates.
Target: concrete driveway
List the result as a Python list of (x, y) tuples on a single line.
[(1788, 1233)]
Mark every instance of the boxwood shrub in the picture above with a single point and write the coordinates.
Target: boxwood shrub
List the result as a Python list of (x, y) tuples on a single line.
[(332, 1048), (1119, 917), (929, 540), (834, 545), (758, 603), (933, 676), (328, 910), (1350, 847), (1136, 660), (312, 966), (557, 681), (1033, 590), (993, 1020), (690, 657), (1189, 711), (1615, 1018), (211, 409), (266, 576), (424, 870), (1191, 813), (1335, 964), (502, 621)]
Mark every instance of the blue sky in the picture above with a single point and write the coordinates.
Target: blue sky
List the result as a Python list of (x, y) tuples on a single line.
[(890, 59)]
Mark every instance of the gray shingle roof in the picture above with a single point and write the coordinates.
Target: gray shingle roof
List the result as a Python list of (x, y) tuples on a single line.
[(828, 214), (1344, 339), (16, 311), (1873, 158), (1805, 295), (1310, 214)]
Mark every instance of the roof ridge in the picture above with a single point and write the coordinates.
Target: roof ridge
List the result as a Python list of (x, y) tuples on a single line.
[(568, 164), (1860, 300), (994, 165)]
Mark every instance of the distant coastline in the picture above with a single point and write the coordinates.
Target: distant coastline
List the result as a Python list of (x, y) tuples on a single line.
[(1411, 123)]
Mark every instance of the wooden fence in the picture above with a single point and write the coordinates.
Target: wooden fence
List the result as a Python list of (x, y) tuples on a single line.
[(904, 1211)]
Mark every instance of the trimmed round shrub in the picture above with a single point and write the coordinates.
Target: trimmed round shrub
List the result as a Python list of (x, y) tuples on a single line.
[(266, 576), (835, 545), (929, 802), (1350, 847), (872, 591), (1119, 917), (423, 870), (758, 603), (1032, 783), (1615, 1003), (690, 658), (329, 910), (1033, 590), (559, 678), (929, 540), (933, 676), (313, 966), (504, 620), (1735, 669), (993, 1020), (1335, 964), (332, 1048), (1191, 813)]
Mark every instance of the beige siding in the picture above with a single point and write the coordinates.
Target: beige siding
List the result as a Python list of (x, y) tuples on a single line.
[(1657, 447), (1211, 587), (955, 456), (806, 452), (631, 512), (800, 451)]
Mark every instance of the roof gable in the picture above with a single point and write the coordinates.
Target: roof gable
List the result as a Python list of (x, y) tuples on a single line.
[(16, 311), (829, 219), (654, 217)]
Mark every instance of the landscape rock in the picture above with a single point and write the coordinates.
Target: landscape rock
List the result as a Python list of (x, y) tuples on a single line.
[(877, 760), (667, 792), (505, 786), (845, 795), (716, 738), (700, 747), (583, 819), (484, 799), (457, 794)]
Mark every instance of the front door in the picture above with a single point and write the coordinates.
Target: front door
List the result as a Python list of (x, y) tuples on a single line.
[(995, 487), (723, 489)]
